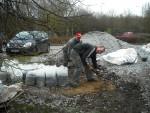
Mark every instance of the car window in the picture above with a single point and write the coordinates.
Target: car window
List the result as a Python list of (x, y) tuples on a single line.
[(39, 35), (24, 36)]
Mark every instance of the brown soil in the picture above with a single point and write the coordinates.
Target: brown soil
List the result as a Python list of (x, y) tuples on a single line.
[(90, 87)]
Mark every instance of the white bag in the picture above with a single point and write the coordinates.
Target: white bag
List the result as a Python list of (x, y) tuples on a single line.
[(146, 48), (122, 56), (144, 52)]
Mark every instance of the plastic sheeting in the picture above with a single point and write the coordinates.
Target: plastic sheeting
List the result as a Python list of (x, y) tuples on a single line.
[(5, 77), (8, 92), (146, 48), (122, 56), (144, 52)]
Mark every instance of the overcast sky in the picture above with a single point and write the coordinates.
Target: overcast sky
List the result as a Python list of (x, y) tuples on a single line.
[(118, 6)]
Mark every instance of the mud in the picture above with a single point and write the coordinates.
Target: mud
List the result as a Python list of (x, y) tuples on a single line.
[(103, 96), (100, 99)]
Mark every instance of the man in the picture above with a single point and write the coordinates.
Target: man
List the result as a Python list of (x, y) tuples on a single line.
[(79, 55), (70, 44)]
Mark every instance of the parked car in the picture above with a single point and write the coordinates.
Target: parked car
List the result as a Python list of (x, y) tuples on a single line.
[(28, 42), (127, 36)]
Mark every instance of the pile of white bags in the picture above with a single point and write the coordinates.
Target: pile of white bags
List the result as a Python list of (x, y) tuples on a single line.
[(36, 74), (47, 76)]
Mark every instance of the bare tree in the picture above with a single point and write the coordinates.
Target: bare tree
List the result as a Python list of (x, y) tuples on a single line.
[(26, 14), (146, 10)]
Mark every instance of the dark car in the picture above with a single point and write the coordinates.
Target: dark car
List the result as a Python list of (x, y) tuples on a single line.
[(29, 42), (127, 36)]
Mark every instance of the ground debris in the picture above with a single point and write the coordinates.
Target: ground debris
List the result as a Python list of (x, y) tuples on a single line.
[(120, 89), (96, 97)]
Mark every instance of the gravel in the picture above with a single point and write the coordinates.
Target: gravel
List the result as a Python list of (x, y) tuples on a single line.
[(138, 73)]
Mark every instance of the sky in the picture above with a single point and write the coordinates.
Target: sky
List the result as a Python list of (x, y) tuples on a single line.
[(116, 6)]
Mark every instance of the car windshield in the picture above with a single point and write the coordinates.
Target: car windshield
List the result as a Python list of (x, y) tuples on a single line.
[(39, 34), (23, 36)]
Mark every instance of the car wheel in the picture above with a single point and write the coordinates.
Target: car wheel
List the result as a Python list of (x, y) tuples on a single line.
[(48, 48), (32, 51), (35, 49)]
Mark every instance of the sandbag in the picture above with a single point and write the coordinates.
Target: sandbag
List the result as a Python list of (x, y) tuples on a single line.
[(37, 74), (47, 76), (122, 56)]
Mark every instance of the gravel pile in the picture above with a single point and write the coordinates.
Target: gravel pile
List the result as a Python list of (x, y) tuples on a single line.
[(138, 73)]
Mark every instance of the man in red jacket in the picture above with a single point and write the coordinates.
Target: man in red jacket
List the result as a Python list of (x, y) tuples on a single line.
[(70, 44)]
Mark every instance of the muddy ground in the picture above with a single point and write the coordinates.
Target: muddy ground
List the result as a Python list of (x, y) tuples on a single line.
[(101, 96)]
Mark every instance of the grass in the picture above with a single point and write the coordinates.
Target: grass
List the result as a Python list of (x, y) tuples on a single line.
[(143, 40), (21, 58)]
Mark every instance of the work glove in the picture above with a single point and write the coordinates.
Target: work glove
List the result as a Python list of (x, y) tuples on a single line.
[(70, 64), (65, 64), (58, 64), (89, 67), (97, 71)]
